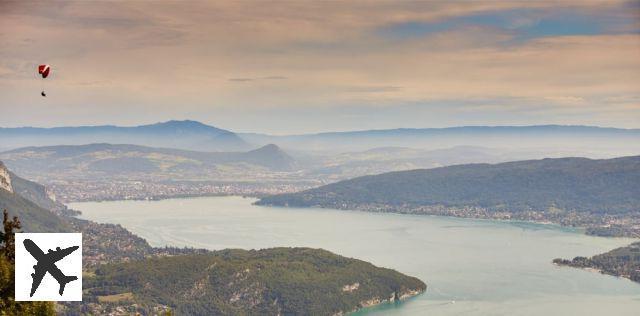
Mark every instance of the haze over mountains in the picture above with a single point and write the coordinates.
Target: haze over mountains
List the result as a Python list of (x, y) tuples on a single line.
[(108, 160), (187, 158), (347, 165), (608, 141), (208, 160), (172, 134), (192, 135)]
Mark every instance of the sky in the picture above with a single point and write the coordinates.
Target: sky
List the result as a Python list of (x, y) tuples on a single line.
[(290, 67)]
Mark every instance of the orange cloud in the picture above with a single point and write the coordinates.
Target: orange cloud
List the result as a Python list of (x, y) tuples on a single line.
[(212, 55)]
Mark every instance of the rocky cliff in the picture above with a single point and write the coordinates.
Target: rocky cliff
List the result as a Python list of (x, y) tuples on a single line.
[(5, 178)]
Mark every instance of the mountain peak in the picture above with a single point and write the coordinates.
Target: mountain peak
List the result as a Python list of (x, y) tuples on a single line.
[(270, 148), (181, 123), (187, 134), (273, 156), (186, 125)]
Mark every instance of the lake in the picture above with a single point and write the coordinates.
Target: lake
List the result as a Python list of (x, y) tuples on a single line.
[(471, 267)]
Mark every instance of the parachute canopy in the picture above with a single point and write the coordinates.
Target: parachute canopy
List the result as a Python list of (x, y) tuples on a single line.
[(44, 70)]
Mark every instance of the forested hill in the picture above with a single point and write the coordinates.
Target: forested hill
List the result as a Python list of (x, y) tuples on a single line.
[(278, 281), (622, 262), (100, 160), (572, 184)]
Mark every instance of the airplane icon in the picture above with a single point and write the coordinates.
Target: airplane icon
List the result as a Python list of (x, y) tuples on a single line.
[(46, 263)]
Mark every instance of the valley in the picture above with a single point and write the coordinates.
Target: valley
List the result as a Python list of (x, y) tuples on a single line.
[(329, 158), (84, 169), (483, 265), (113, 259), (141, 206)]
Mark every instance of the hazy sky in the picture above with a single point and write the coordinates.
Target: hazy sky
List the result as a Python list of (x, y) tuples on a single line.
[(294, 67)]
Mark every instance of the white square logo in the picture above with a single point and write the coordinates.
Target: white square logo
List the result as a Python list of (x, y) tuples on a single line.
[(48, 267)]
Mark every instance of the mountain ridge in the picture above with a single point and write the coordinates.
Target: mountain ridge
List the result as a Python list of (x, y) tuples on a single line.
[(34, 217), (194, 135), (119, 158), (185, 134), (463, 127), (481, 174), (600, 194), (617, 140)]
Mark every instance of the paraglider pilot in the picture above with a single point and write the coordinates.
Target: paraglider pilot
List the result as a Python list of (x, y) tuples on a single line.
[(44, 70)]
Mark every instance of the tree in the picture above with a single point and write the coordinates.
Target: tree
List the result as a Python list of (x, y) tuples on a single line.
[(8, 305), (8, 236)]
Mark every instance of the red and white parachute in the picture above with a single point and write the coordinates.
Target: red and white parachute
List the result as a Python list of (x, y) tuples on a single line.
[(44, 71)]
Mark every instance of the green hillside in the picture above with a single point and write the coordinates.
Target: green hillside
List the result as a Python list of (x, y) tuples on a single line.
[(289, 281), (33, 217), (622, 262), (580, 184), (107, 160)]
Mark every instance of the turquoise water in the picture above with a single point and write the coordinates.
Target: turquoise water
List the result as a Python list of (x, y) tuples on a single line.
[(471, 267)]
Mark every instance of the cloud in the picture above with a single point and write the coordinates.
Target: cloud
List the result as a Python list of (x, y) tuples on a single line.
[(372, 89), (274, 78), (567, 100), (245, 79), (210, 57)]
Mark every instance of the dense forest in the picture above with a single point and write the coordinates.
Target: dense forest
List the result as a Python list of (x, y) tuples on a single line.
[(622, 262), (278, 281), (574, 184)]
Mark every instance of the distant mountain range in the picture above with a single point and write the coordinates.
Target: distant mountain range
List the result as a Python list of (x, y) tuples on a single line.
[(616, 142), (190, 135), (188, 158), (610, 186), (108, 160), (341, 166)]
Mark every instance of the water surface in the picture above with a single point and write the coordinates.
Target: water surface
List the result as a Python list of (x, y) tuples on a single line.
[(471, 267)]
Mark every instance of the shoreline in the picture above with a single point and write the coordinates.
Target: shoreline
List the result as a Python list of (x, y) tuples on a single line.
[(581, 229), (577, 229), (387, 302), (596, 270), (168, 197), (232, 201)]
